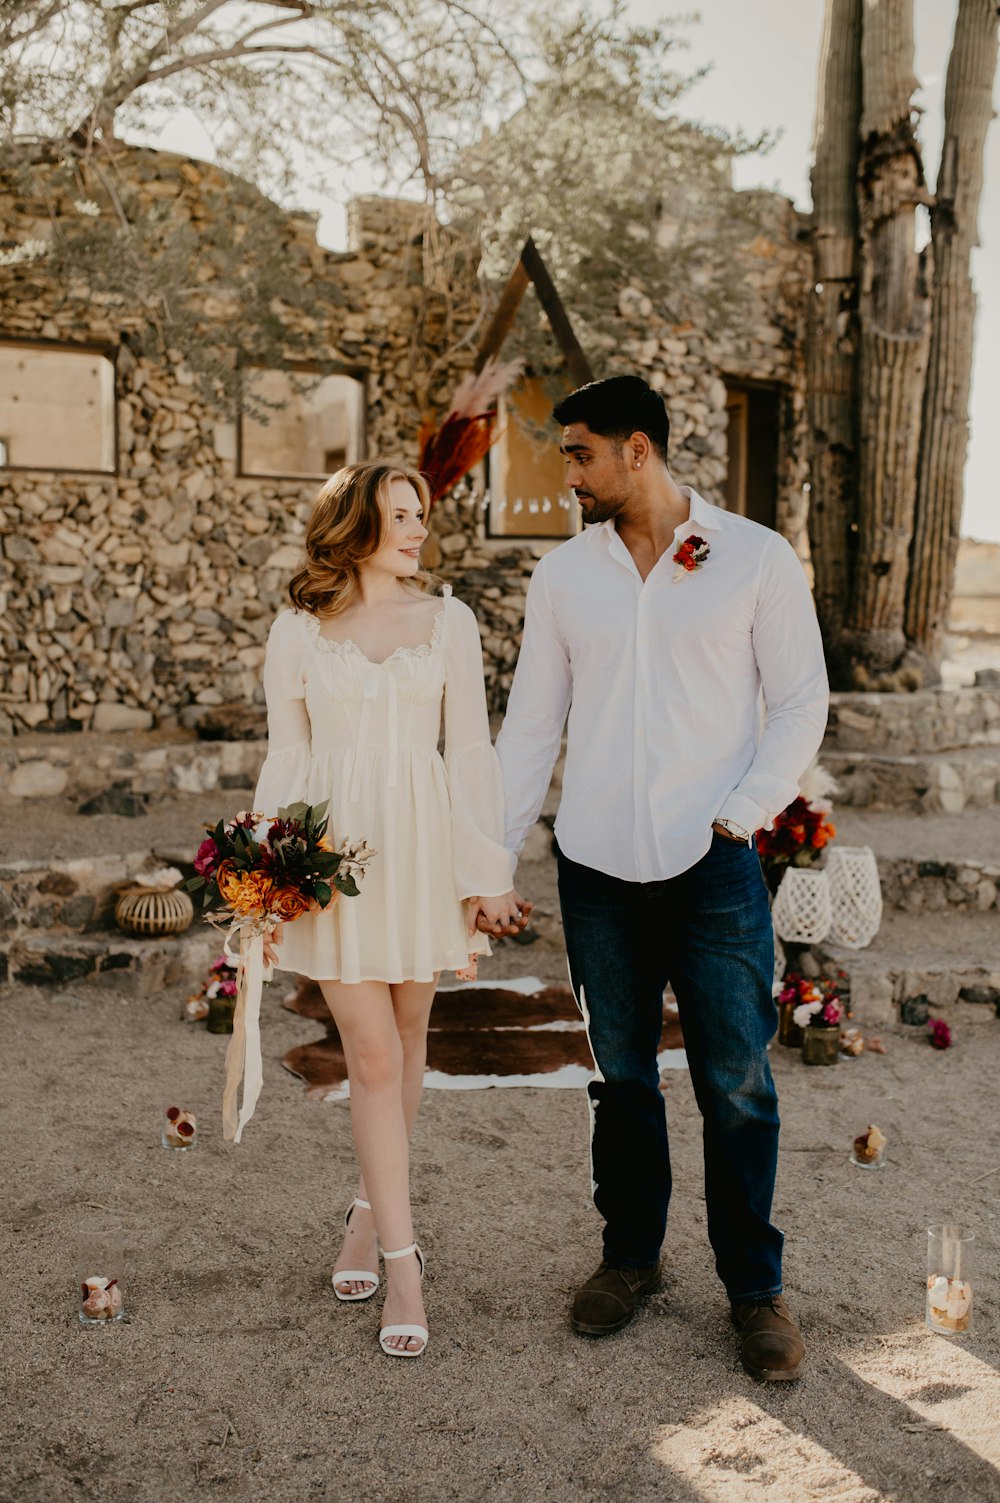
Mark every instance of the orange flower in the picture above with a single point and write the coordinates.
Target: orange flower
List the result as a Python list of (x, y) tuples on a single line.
[(229, 880), (255, 893), (289, 904), (820, 838)]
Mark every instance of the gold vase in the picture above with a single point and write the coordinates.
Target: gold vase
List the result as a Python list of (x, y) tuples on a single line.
[(789, 1032)]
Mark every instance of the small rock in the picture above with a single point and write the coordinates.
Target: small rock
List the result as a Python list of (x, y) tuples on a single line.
[(231, 723), (118, 799), (37, 780), (984, 996), (914, 1010), (987, 678), (113, 717)]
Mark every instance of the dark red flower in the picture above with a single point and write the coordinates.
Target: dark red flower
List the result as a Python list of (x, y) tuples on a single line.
[(940, 1033), (185, 1129), (208, 855), (173, 1112)]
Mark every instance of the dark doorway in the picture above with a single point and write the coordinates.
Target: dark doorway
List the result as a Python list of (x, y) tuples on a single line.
[(751, 486)]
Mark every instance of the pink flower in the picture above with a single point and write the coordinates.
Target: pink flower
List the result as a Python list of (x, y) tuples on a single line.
[(227, 989), (831, 1013), (940, 1033), (207, 857)]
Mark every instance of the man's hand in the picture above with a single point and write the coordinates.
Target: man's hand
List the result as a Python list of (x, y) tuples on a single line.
[(499, 916)]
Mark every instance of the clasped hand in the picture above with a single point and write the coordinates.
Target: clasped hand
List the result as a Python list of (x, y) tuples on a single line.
[(504, 915)]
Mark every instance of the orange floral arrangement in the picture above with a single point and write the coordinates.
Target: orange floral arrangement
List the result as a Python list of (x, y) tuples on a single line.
[(266, 869)]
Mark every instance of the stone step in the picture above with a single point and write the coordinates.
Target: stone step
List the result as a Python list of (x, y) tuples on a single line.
[(150, 765), (921, 956), (913, 724), (930, 782), (133, 965), (933, 863)]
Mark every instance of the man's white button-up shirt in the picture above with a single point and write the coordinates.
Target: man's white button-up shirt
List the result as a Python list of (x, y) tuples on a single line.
[(662, 680)]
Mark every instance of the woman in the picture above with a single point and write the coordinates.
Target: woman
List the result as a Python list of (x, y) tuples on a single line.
[(354, 677)]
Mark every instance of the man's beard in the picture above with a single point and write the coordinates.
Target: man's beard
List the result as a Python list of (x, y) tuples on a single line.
[(601, 508)]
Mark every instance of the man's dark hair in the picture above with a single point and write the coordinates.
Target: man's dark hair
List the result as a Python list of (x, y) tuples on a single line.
[(616, 408)]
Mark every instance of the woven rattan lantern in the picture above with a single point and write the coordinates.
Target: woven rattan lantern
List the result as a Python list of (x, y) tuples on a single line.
[(154, 910)]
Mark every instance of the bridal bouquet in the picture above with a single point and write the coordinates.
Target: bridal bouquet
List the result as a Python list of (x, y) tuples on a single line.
[(271, 868), (252, 873)]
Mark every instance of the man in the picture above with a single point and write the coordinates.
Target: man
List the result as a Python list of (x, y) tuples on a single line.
[(656, 630)]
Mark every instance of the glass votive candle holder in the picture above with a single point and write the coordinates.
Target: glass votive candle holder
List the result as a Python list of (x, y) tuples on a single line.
[(950, 1254), (101, 1278), (180, 1129), (868, 1149)]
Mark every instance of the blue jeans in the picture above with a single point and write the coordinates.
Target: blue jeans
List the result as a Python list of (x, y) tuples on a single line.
[(708, 932)]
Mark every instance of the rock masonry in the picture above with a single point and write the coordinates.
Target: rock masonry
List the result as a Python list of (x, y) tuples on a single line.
[(139, 598)]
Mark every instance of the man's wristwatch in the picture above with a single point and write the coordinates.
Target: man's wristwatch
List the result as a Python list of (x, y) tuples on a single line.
[(736, 831)]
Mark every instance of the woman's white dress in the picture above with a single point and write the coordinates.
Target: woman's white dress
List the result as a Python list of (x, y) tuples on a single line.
[(365, 736)]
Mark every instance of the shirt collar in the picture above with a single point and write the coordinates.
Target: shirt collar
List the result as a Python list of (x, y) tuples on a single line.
[(703, 514)]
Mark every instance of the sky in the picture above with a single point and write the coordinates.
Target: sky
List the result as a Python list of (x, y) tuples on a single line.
[(764, 59)]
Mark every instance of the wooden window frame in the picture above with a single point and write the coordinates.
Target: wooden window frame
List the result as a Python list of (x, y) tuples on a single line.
[(108, 352), (358, 373)]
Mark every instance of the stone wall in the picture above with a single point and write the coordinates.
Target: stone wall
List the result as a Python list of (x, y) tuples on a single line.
[(138, 598)]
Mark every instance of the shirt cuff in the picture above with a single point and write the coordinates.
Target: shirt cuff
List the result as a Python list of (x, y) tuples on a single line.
[(744, 812)]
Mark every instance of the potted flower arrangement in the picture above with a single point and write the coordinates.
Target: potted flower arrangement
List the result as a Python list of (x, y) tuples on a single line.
[(801, 992), (819, 1014)]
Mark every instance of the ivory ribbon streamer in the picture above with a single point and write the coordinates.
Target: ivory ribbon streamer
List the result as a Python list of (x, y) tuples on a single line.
[(243, 1057)]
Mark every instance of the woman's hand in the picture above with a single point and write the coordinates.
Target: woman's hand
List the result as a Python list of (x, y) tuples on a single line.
[(500, 916)]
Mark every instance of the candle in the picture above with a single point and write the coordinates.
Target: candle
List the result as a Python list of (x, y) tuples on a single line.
[(868, 1150), (949, 1280)]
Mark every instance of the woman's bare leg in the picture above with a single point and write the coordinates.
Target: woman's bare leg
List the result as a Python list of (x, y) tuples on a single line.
[(366, 1022), (412, 1002)]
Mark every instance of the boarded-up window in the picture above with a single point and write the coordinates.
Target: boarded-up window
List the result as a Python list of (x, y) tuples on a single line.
[(57, 408), (751, 486), (301, 424), (528, 495)]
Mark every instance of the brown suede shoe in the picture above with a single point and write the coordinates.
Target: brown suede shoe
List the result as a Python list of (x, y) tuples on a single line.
[(770, 1344), (609, 1298)]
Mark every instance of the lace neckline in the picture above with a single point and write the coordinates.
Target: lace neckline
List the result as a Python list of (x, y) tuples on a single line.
[(349, 648)]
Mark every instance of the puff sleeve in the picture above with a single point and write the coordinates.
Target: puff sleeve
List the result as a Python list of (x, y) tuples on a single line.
[(483, 867), (284, 776)]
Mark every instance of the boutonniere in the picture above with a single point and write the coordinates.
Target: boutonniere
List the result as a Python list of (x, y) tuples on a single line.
[(690, 555)]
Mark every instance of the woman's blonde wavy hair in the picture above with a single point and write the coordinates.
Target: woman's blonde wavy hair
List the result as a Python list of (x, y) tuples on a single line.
[(350, 521)]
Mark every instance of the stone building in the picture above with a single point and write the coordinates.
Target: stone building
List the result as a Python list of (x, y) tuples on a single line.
[(146, 543)]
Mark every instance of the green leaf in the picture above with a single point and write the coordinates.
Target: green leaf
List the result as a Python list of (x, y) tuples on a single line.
[(347, 886), (322, 893), (294, 811)]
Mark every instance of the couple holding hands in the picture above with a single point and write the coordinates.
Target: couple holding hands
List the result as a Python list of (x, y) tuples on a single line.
[(655, 630)]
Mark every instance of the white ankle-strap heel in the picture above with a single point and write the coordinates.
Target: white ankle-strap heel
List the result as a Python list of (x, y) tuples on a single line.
[(354, 1275), (412, 1332)]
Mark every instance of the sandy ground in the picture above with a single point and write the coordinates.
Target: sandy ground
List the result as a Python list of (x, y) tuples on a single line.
[(237, 1374)]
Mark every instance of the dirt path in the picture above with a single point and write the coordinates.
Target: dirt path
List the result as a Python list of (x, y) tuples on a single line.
[(238, 1375)]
